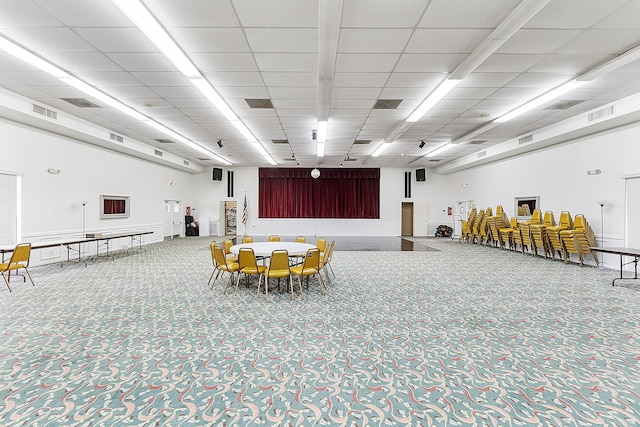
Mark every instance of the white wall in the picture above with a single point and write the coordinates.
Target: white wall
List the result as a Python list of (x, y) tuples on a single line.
[(52, 204)]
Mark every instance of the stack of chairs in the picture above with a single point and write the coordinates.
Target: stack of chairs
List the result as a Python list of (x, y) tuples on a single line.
[(578, 240), (494, 224), (553, 234), (467, 226), (508, 232), (539, 234), (484, 226), (524, 210), (525, 231), (475, 230)]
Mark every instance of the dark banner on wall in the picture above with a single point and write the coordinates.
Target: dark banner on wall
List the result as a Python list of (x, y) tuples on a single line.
[(336, 193)]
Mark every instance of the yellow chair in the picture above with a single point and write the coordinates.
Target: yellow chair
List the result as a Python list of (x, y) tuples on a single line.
[(309, 267), (553, 235), (247, 239), (579, 240), (475, 229), (325, 260), (221, 265), (525, 231), (467, 226), (248, 265), (539, 234), (227, 251), (321, 243), (274, 238), (19, 259), (507, 233), (278, 268), (301, 239)]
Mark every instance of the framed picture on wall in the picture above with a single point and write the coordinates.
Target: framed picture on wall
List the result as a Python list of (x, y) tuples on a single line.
[(114, 206)]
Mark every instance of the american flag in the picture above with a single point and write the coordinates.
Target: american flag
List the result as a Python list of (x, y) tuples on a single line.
[(245, 214)]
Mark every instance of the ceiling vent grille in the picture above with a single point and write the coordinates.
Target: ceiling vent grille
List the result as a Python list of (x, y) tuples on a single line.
[(280, 141), (387, 104), (563, 105), (165, 141), (204, 159), (38, 109), (158, 153), (349, 159), (117, 138), (434, 160), (482, 154), (597, 115), (186, 162), (477, 141), (362, 141), (81, 102), (290, 159), (525, 139), (259, 103)]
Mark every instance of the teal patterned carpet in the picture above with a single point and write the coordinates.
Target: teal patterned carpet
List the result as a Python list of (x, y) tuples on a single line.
[(462, 336)]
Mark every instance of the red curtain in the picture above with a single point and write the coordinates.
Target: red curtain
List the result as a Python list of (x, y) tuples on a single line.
[(114, 206), (338, 193)]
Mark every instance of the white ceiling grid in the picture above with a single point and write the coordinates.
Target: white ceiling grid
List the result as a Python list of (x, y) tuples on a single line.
[(255, 49)]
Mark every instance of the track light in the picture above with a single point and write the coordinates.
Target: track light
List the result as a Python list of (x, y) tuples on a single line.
[(220, 144), (421, 144)]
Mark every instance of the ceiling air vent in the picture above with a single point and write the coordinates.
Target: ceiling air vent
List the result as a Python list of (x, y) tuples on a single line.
[(290, 159), (362, 141), (597, 115), (387, 104), (204, 159), (280, 141), (563, 105), (525, 139), (117, 138), (165, 141), (186, 162), (477, 141), (434, 160), (259, 103), (349, 159), (38, 109), (81, 102), (158, 153), (482, 154)]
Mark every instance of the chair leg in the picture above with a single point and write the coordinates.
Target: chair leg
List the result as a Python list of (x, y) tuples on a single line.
[(300, 286), (321, 283), (291, 287), (7, 282)]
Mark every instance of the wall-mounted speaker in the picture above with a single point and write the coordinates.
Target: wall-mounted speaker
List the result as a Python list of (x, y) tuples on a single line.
[(217, 174), (421, 175)]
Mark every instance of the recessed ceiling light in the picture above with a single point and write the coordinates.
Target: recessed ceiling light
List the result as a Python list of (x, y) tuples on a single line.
[(148, 105)]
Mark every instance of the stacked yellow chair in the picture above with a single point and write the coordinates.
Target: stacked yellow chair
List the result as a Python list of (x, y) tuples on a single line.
[(553, 234), (539, 234), (494, 224), (467, 226), (525, 231), (578, 240), (475, 230), (507, 234), (484, 226)]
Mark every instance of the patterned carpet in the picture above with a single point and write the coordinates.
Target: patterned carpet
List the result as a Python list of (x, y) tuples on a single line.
[(463, 336)]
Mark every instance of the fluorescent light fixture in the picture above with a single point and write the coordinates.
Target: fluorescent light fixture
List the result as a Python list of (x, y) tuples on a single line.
[(25, 55), (380, 149), (320, 149), (439, 150), (321, 135), (560, 90), (208, 91), (244, 131), (444, 88), (264, 153), (140, 16)]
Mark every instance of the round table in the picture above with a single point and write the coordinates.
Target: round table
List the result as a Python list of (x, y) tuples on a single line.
[(264, 249)]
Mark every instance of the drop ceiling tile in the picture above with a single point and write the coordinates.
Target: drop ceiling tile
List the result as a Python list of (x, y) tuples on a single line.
[(429, 62), (75, 62), (193, 13), (191, 103), (220, 79), (171, 78), (423, 81), (132, 92), (537, 80), (143, 61), (290, 79), (373, 40), (117, 39), (462, 41), (360, 80), (356, 93), (209, 39), (299, 62), (509, 63), (624, 17), (572, 14), (242, 92), (170, 92), (569, 63), (48, 39), (293, 92), (487, 79), (352, 103), (82, 13), (543, 40), (465, 14), (294, 103), (470, 93), (34, 78), (26, 14), (612, 42), (382, 13), (292, 40), (277, 13), (108, 79), (207, 62), (365, 63)]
